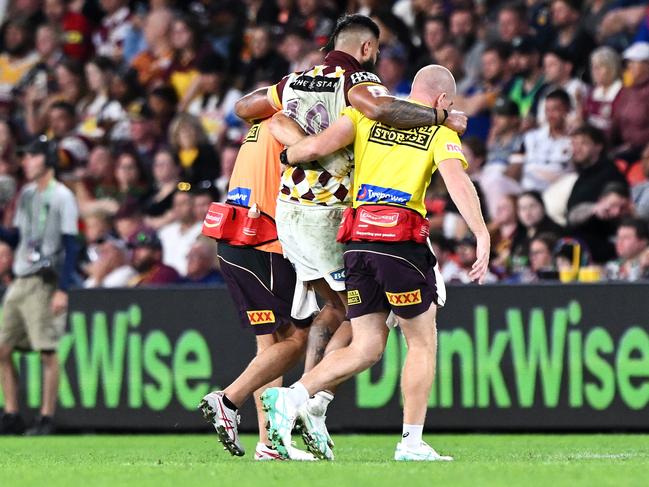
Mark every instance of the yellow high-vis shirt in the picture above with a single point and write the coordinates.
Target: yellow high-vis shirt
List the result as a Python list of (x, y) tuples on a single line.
[(394, 166)]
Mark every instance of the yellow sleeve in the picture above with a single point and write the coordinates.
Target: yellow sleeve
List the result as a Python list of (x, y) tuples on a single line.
[(447, 145), (274, 96), (352, 114)]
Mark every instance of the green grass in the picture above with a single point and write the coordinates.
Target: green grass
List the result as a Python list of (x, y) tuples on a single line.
[(362, 460)]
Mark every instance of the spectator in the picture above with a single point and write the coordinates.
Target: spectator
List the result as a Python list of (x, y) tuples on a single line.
[(144, 140), (293, 48), (128, 220), (503, 227), (6, 263), (569, 34), (178, 236), (434, 36), (112, 268), (147, 261), (466, 255), (99, 113), (16, 60), (34, 307), (631, 242), (504, 141), (166, 179), (547, 150), (97, 187), (163, 101), (526, 88), (153, 63), (73, 149), (203, 198), (464, 32), (216, 97), (131, 178), (557, 72), (202, 264), (540, 256), (630, 128), (452, 59), (116, 24), (391, 68), (265, 64), (76, 31), (640, 192), (512, 22), (199, 162), (97, 226), (534, 221), (593, 168), (596, 223), (605, 72), (188, 49)]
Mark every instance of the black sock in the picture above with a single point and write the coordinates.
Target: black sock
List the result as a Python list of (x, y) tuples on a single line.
[(229, 404)]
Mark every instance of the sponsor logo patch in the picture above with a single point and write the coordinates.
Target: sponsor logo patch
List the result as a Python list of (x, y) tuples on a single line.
[(320, 84), (354, 297), (389, 220), (418, 138), (454, 148), (370, 193), (261, 317), (404, 299), (213, 219), (239, 196), (253, 134), (338, 275), (364, 77)]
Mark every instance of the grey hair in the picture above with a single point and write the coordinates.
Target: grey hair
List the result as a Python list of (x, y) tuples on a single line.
[(608, 57)]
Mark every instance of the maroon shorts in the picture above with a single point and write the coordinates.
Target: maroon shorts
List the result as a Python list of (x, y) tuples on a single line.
[(401, 277), (262, 285)]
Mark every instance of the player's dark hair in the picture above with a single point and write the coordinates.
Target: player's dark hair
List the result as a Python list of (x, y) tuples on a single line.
[(349, 22), (560, 95), (639, 225)]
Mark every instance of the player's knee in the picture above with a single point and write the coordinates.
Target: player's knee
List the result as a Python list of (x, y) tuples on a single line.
[(5, 353)]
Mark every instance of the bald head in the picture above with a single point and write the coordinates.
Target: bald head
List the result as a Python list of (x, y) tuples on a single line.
[(432, 82)]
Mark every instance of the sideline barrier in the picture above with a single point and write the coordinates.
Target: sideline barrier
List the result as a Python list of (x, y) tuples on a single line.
[(542, 357)]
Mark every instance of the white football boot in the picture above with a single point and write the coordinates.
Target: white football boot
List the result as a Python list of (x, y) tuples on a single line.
[(266, 453), (422, 453), (225, 422), (280, 416)]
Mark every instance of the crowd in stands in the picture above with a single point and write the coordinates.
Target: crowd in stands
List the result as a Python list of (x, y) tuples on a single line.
[(139, 97)]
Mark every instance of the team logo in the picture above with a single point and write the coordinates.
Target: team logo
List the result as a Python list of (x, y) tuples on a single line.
[(253, 134), (338, 275), (239, 196), (418, 138), (404, 299), (389, 220), (353, 297), (375, 194), (364, 77), (261, 317)]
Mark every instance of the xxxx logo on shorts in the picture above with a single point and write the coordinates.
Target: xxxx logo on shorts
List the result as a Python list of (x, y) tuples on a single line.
[(261, 317), (404, 299), (353, 297)]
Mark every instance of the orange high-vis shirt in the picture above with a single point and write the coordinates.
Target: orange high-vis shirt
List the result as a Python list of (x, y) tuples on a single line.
[(256, 175)]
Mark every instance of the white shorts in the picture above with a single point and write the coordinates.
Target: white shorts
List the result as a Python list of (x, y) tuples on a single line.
[(308, 238)]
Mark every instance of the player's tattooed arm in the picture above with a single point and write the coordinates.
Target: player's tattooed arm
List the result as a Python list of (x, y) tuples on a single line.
[(255, 106), (376, 103)]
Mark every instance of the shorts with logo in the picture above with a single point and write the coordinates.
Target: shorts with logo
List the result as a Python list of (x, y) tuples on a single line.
[(262, 285), (401, 277), (27, 320), (308, 237)]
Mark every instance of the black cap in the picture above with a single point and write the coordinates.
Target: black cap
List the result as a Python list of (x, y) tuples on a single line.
[(524, 45), (506, 107), (145, 238)]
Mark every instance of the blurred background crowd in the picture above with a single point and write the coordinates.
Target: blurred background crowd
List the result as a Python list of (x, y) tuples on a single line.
[(139, 97)]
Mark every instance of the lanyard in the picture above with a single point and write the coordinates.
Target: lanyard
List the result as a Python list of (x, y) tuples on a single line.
[(37, 231)]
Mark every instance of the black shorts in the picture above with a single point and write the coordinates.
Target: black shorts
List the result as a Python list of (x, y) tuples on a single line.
[(262, 285), (401, 277)]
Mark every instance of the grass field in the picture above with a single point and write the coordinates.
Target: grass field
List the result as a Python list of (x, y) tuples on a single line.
[(362, 460)]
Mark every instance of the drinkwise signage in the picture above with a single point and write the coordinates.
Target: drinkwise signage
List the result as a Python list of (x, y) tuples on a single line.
[(520, 358)]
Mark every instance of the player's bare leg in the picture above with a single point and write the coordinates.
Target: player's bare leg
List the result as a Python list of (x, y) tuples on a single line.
[(416, 382)]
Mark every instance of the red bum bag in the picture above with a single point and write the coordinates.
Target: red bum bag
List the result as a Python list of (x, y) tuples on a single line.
[(382, 223), (231, 224)]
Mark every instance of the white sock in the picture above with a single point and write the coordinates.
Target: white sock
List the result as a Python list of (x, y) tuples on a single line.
[(411, 436), (317, 405), (298, 394)]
